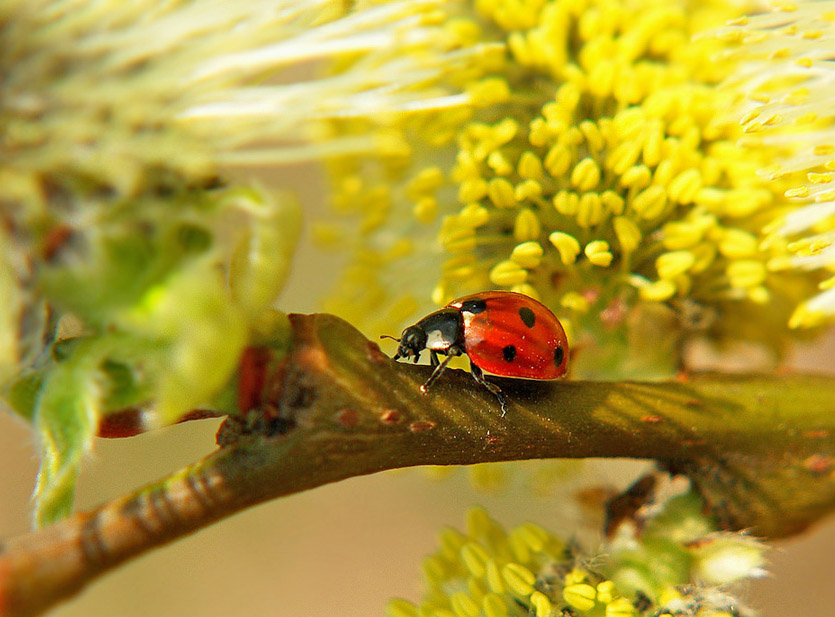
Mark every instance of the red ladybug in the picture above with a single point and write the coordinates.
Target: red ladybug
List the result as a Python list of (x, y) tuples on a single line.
[(504, 333)]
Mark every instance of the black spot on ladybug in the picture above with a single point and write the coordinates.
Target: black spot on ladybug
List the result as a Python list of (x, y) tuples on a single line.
[(527, 316), (509, 353), (474, 306), (559, 355)]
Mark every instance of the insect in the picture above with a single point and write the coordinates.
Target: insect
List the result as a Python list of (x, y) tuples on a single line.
[(502, 332)]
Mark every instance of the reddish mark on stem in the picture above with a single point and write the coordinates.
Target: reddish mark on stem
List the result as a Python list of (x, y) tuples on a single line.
[(252, 370), (125, 423), (390, 416), (816, 434), (348, 418), (418, 426), (651, 419), (818, 463), (374, 353), (493, 439)]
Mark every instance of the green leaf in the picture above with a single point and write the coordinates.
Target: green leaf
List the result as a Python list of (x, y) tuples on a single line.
[(66, 420), (261, 261), (199, 334)]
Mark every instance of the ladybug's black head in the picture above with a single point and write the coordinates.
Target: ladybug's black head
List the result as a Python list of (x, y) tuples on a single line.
[(412, 342)]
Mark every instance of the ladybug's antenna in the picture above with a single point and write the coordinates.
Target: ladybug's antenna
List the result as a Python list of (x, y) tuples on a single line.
[(382, 336)]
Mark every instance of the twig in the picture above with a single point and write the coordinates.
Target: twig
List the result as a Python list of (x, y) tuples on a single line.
[(759, 448)]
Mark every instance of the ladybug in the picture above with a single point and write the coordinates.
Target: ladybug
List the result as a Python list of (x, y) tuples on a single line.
[(504, 333)]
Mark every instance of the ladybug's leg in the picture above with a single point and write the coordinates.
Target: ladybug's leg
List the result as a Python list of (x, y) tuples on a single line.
[(439, 368), (478, 375), (433, 358)]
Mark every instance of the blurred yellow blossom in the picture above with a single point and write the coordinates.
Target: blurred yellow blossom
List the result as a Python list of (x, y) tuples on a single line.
[(606, 173)]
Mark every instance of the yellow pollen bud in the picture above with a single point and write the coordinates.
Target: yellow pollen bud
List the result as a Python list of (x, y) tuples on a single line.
[(804, 317), (575, 302), (659, 291), (604, 591), (620, 607), (597, 252), (558, 160), (501, 193), (590, 210), (507, 273), (568, 95), (472, 189), (758, 295), (499, 164), (473, 215), (494, 606), (518, 578), (567, 246), (650, 202), (819, 178), (489, 91), (737, 244), (426, 209), (594, 138), (494, 578), (527, 255), (541, 603), (526, 226), (624, 156), (628, 234), (463, 605), (746, 273), (654, 144), (684, 186), (636, 177), (613, 202), (567, 202), (526, 289), (672, 264), (586, 175), (530, 167), (426, 181), (580, 596), (800, 191), (528, 190)]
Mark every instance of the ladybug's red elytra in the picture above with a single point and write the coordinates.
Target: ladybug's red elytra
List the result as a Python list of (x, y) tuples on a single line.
[(502, 332)]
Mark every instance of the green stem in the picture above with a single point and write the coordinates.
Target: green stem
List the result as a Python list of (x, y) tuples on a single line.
[(760, 449)]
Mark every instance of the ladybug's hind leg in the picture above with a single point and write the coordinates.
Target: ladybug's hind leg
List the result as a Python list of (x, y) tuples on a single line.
[(478, 375)]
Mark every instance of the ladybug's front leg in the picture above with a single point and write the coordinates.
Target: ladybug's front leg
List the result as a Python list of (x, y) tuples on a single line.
[(478, 375), (439, 368)]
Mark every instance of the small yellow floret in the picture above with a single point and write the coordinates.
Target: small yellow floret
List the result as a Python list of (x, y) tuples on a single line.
[(528, 254), (580, 596), (567, 245), (597, 252)]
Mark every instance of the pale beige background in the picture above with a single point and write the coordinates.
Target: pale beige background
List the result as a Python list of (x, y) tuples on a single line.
[(337, 551)]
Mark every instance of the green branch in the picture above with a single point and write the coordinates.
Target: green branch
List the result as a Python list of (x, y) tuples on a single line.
[(758, 448)]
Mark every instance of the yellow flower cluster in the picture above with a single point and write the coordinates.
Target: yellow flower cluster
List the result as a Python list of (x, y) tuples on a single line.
[(602, 170), (789, 84), (489, 572)]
